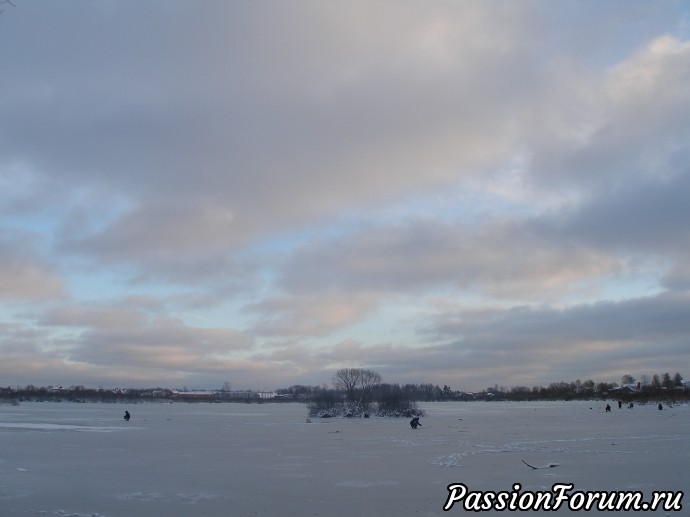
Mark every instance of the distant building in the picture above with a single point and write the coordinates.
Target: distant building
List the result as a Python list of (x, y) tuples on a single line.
[(625, 388), (196, 395)]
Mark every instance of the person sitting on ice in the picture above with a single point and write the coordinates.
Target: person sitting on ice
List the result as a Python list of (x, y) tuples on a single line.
[(608, 408), (127, 416), (415, 422)]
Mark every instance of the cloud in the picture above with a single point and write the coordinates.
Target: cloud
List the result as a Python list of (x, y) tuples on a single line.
[(27, 281), (501, 259), (606, 130), (650, 319), (309, 315), (646, 215), (315, 121), (23, 276), (89, 316), (165, 230), (121, 341), (316, 181), (157, 344), (601, 335), (643, 224)]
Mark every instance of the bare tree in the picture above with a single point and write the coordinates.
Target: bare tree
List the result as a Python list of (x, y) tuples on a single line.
[(368, 380), (627, 379), (348, 380), (358, 385)]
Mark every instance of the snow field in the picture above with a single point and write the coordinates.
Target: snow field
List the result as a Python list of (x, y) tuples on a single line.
[(179, 460)]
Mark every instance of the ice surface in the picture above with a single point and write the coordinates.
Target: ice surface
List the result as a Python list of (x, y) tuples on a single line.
[(63, 427), (264, 459)]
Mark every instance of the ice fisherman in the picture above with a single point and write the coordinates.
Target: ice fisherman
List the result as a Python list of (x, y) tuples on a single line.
[(414, 423), (608, 408), (127, 416)]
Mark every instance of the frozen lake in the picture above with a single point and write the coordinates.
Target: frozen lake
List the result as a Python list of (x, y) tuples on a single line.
[(230, 459)]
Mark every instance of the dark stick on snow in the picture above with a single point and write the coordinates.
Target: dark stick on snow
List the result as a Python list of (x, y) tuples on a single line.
[(549, 466)]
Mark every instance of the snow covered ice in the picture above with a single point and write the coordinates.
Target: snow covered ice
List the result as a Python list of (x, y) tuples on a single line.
[(175, 460)]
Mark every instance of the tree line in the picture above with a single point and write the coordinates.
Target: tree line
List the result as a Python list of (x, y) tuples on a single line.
[(658, 386), (360, 391)]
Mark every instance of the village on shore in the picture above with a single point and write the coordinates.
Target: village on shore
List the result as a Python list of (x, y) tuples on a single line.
[(658, 388)]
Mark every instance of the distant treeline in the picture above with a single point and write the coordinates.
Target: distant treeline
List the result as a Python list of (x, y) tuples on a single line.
[(664, 386), (84, 394), (657, 387)]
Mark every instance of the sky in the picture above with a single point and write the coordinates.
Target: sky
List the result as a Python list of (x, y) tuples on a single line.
[(465, 193)]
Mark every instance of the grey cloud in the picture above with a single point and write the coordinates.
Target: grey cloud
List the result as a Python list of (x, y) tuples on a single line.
[(20, 338), (474, 349), (316, 120), (165, 143), (160, 342), (497, 258), (126, 334), (290, 128), (26, 281), (645, 222), (678, 277), (626, 125), (655, 323), (131, 342), (171, 229), (24, 276), (88, 317), (554, 252), (646, 216), (309, 315), (537, 346)]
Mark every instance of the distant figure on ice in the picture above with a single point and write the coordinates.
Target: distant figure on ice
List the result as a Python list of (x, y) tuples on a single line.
[(608, 408), (415, 422), (631, 405), (660, 406), (620, 404), (127, 416)]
